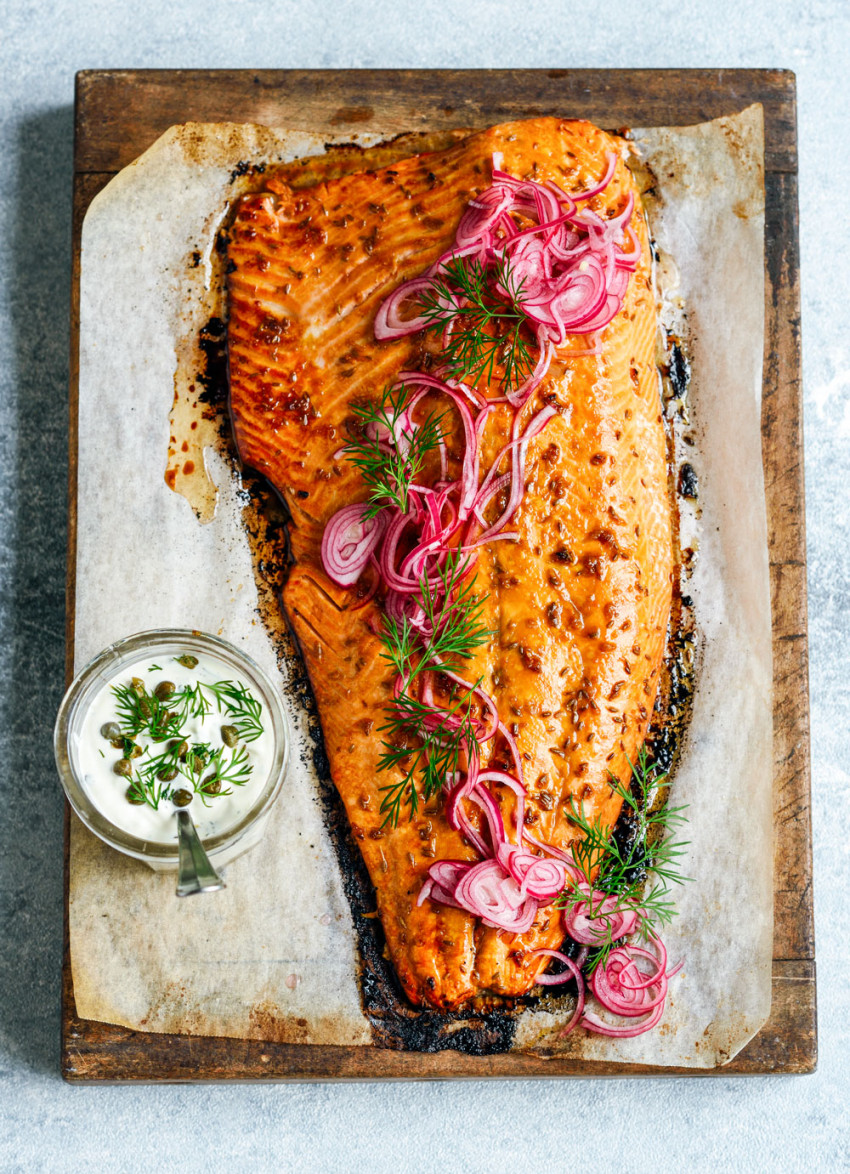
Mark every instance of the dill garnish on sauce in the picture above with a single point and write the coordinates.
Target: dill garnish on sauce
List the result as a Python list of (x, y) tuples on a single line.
[(154, 770)]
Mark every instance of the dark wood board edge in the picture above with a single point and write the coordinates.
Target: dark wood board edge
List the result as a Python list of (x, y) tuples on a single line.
[(112, 131), (85, 189), (782, 432), (94, 1052)]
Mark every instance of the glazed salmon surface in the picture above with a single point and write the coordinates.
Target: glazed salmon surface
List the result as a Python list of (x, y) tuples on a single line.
[(579, 605)]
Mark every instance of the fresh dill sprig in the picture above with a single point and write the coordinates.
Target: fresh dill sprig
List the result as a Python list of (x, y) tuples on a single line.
[(652, 852), (155, 775), (140, 711), (195, 760), (146, 786), (192, 702), (219, 774), (389, 469), (436, 752), (453, 612), (240, 704), (211, 772), (151, 792), (230, 697), (487, 327)]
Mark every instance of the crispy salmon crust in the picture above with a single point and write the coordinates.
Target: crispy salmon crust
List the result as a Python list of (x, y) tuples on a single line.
[(580, 604)]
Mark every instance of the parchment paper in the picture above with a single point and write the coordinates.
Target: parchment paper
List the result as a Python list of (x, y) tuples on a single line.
[(274, 956)]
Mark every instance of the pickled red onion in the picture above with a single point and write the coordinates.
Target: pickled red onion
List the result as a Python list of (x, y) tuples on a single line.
[(569, 272), (348, 543), (623, 989), (599, 917)]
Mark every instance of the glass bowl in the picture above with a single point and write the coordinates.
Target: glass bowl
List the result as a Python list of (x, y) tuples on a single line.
[(164, 642)]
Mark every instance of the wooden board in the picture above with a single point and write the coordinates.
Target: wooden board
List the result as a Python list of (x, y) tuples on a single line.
[(120, 113)]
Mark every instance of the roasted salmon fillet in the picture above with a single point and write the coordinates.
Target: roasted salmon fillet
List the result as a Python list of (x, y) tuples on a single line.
[(578, 604)]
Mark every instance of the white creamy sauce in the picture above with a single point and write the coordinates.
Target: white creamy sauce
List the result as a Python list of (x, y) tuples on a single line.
[(96, 757)]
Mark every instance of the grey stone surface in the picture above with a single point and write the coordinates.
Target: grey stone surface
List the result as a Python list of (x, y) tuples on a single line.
[(725, 1124)]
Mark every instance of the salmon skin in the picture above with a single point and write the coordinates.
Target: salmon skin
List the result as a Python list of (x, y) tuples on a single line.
[(579, 604)]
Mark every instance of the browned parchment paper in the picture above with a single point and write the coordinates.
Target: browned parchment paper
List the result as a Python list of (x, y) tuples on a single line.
[(274, 955)]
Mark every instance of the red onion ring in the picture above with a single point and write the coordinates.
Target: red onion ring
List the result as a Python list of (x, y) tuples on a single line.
[(594, 1023), (572, 972), (388, 323), (591, 921), (348, 543), (485, 892)]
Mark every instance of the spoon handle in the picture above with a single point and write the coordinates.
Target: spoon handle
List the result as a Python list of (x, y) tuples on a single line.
[(195, 874)]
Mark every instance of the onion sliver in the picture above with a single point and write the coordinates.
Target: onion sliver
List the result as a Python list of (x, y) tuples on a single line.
[(622, 1031), (572, 971), (487, 893), (348, 543), (599, 917), (389, 323)]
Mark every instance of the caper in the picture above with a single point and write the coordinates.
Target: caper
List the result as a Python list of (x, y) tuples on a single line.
[(187, 660), (229, 735), (164, 690), (211, 785), (135, 751), (167, 774), (111, 731), (138, 686), (134, 797), (118, 743), (123, 767), (181, 798), (145, 707), (179, 748)]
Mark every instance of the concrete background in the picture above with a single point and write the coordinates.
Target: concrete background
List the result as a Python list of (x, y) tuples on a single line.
[(724, 1124)]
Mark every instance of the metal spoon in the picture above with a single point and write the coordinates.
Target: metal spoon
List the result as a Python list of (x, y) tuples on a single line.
[(195, 874)]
